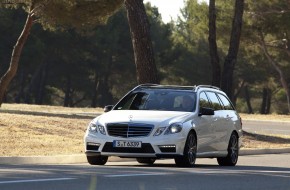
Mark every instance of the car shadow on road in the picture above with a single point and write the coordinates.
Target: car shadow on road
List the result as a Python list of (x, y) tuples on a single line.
[(267, 138)]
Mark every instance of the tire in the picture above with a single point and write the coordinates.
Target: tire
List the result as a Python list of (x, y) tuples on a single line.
[(189, 154), (148, 161), (233, 152), (97, 160)]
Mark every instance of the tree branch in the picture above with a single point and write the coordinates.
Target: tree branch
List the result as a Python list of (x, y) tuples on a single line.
[(275, 65)]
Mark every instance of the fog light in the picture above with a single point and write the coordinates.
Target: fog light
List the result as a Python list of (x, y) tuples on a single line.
[(167, 148), (93, 144)]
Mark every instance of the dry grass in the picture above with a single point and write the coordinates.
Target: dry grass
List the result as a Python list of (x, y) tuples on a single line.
[(27, 135), (48, 109), (251, 140), (27, 130), (273, 117)]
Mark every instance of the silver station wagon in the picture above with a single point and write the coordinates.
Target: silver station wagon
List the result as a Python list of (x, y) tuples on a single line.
[(162, 121)]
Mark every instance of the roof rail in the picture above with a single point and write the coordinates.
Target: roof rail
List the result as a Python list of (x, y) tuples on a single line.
[(144, 85), (165, 86), (148, 84), (207, 86)]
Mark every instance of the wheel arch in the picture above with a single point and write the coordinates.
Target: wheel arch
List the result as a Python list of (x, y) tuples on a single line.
[(236, 133), (192, 130)]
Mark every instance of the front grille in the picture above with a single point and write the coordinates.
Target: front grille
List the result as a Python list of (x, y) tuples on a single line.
[(129, 130), (146, 148)]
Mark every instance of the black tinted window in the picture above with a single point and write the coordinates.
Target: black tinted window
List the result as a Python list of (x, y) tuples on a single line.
[(216, 105)]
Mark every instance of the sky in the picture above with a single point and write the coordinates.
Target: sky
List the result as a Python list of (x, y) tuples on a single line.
[(168, 8)]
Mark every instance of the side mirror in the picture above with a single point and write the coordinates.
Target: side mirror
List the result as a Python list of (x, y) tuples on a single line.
[(206, 111), (108, 108)]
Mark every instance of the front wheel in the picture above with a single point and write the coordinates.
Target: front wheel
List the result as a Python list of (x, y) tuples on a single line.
[(97, 160), (233, 152), (189, 154)]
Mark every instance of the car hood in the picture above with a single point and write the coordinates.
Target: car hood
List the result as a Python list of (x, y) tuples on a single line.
[(143, 116)]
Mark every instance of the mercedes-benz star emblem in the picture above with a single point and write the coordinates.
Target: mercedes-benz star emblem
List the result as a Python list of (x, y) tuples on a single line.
[(130, 117)]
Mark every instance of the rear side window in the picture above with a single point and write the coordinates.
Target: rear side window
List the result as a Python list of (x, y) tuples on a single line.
[(227, 104), (216, 105), (203, 100)]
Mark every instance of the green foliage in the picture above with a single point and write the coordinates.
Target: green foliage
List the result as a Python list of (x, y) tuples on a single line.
[(59, 14), (105, 55), (76, 13)]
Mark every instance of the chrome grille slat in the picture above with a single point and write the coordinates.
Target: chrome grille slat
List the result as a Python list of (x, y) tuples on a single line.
[(128, 130)]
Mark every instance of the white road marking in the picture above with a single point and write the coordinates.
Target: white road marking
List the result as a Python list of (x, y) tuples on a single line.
[(137, 174), (36, 180), (209, 171), (273, 173)]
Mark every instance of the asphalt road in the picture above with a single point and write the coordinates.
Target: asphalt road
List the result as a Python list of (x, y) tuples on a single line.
[(267, 127), (252, 172)]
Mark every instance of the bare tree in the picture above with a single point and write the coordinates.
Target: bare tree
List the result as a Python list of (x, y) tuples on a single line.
[(276, 67), (16, 53)]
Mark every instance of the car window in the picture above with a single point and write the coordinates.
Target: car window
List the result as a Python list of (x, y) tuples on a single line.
[(216, 105), (227, 104), (158, 99), (135, 101), (203, 100)]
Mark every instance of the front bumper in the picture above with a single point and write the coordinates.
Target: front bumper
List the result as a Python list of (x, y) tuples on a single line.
[(168, 146)]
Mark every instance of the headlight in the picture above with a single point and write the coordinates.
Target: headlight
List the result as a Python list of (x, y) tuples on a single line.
[(159, 131), (93, 128), (173, 128), (102, 129)]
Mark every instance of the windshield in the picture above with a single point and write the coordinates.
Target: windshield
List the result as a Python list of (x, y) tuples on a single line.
[(159, 99)]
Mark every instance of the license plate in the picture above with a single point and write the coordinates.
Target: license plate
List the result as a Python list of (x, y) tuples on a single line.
[(127, 144)]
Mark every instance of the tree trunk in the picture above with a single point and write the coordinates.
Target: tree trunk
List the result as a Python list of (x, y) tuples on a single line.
[(21, 93), (264, 98), (16, 53), (41, 87), (142, 45), (214, 57), (238, 91), (95, 92), (231, 58), (275, 65), (248, 100), (266, 101), (30, 94), (269, 98), (67, 96), (104, 96)]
